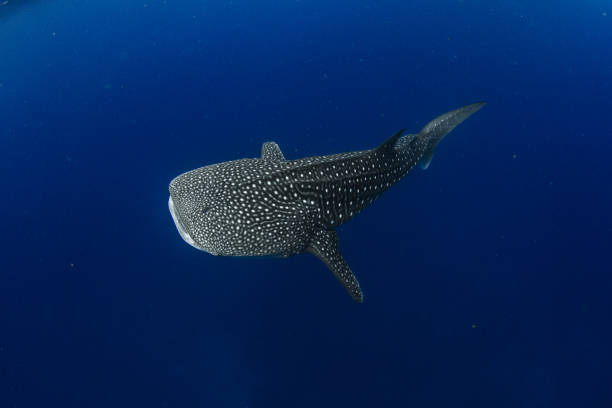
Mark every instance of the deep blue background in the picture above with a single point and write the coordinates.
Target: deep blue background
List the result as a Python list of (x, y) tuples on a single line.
[(486, 278)]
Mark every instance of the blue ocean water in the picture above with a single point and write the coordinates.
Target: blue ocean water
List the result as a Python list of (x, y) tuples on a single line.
[(486, 277)]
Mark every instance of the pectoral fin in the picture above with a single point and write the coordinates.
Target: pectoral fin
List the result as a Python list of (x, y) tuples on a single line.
[(271, 152), (324, 245)]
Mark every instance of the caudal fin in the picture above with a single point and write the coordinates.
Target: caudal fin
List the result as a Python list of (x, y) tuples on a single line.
[(435, 130)]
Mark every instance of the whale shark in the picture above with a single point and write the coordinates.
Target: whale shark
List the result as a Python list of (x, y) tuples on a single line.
[(272, 206)]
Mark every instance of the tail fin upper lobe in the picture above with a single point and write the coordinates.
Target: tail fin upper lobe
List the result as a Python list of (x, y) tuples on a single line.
[(435, 130)]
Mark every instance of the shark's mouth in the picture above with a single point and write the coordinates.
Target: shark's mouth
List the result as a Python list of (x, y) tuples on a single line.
[(179, 225)]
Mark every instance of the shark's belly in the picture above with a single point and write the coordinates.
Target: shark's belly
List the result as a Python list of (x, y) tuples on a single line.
[(262, 240)]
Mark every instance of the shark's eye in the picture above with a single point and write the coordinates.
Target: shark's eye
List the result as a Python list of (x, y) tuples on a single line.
[(206, 209)]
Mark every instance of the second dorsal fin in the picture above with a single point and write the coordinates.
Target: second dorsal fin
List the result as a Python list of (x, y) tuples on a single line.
[(389, 144)]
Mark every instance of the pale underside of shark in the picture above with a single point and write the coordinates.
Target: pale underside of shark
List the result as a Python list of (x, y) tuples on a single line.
[(270, 206)]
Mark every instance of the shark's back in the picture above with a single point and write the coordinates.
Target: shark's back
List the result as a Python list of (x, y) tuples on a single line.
[(339, 186)]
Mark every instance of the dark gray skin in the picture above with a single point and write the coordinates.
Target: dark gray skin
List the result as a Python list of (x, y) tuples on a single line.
[(271, 206)]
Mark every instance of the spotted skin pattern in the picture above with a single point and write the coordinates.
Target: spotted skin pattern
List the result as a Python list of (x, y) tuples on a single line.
[(270, 206)]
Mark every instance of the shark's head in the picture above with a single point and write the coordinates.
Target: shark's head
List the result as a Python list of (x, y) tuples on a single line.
[(192, 197)]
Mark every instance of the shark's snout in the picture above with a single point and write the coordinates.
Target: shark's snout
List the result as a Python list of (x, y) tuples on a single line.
[(179, 224)]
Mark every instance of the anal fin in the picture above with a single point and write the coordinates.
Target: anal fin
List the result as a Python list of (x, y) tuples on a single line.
[(324, 245)]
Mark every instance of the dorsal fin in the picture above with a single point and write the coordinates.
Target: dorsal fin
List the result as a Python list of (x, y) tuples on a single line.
[(389, 144), (271, 152)]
